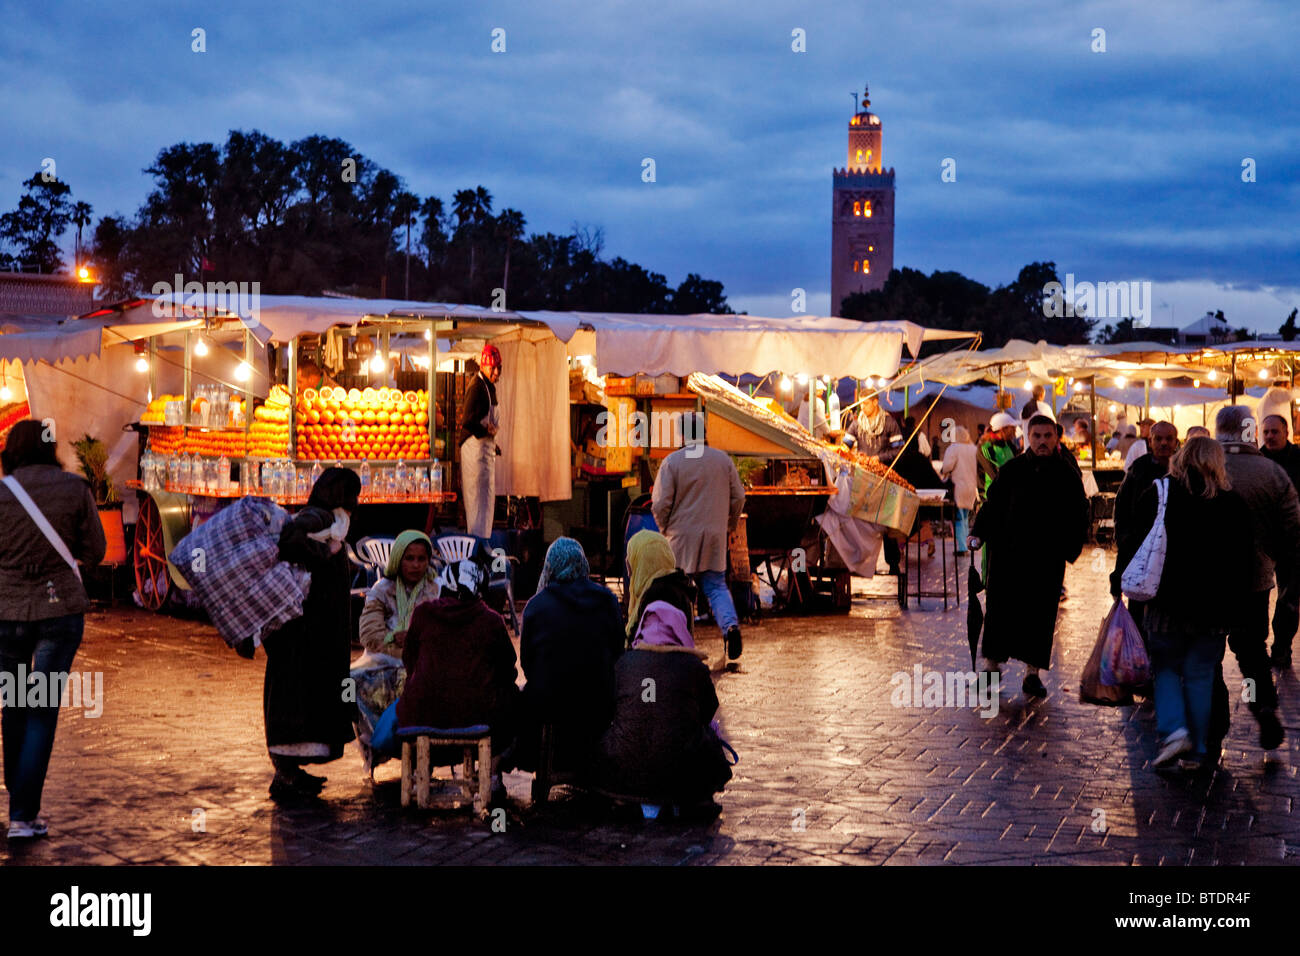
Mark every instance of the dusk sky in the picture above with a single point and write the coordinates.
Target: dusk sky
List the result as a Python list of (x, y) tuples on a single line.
[(1119, 165)]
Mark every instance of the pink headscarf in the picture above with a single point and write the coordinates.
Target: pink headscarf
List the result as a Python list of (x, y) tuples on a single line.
[(663, 625)]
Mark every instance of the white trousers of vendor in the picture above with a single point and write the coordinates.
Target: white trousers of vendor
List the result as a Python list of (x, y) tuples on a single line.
[(479, 451), (697, 499)]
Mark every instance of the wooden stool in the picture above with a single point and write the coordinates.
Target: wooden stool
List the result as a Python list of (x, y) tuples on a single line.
[(475, 742)]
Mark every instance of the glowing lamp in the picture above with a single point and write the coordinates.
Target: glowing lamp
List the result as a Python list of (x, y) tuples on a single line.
[(243, 372), (786, 384), (200, 348)]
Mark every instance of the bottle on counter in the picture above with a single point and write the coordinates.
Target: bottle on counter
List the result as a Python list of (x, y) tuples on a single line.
[(223, 475), (435, 478), (365, 479)]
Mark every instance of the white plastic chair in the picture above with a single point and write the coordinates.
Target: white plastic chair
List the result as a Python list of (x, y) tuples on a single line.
[(373, 554)]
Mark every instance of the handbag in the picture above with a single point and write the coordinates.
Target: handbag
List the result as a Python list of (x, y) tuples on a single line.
[(1141, 579), (33, 512)]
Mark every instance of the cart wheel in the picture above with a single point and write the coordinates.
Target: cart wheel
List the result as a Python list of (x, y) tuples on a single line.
[(152, 581)]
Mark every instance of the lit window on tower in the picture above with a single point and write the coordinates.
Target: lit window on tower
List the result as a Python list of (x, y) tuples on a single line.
[(871, 248), (859, 157), (855, 265), (857, 208), (866, 267)]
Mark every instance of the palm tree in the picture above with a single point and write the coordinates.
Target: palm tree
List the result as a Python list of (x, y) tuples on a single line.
[(510, 227), (81, 213), (405, 206)]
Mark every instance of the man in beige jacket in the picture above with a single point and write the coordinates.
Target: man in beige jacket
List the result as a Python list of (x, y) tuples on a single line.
[(697, 500)]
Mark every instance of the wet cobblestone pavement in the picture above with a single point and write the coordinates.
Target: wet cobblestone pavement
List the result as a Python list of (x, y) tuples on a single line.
[(831, 771)]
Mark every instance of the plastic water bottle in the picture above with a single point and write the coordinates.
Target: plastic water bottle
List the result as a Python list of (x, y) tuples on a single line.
[(435, 478), (365, 478), (316, 471), (223, 474), (400, 488)]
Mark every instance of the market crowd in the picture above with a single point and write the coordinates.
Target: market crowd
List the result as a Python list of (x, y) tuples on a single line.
[(1231, 521)]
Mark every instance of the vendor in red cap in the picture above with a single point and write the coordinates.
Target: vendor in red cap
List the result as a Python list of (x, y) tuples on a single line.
[(478, 451)]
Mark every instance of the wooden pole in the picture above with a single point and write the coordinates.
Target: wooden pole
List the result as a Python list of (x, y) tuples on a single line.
[(1092, 411)]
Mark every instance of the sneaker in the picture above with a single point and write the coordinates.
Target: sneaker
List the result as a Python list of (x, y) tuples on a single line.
[(733, 642), (1175, 745), (28, 829), (1270, 730), (1033, 686)]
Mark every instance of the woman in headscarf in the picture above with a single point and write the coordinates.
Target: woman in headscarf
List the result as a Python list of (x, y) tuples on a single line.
[(571, 635), (308, 719), (460, 665), (654, 576), (662, 747), (408, 581)]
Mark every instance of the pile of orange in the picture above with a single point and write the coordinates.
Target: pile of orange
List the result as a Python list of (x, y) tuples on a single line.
[(167, 440), (228, 442), (268, 434), (378, 424)]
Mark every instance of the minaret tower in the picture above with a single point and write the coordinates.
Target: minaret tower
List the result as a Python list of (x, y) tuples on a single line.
[(862, 212)]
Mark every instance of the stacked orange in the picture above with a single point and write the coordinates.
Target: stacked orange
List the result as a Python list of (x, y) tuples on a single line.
[(168, 440), (268, 435), (228, 442), (382, 424), (153, 415)]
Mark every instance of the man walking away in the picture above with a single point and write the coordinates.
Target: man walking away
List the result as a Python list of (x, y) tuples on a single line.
[(697, 500), (1035, 520), (1286, 615), (1275, 516)]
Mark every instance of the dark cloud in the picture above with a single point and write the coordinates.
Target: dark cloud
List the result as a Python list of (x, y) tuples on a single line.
[(1115, 165)]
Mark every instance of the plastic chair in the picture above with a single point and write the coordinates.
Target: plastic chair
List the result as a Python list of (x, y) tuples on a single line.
[(459, 547), (373, 554)]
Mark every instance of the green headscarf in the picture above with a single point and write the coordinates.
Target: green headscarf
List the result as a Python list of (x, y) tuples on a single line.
[(404, 597)]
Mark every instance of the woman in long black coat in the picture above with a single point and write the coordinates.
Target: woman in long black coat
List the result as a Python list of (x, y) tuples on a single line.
[(308, 719)]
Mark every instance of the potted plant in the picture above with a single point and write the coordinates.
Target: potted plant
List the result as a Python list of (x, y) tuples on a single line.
[(93, 458)]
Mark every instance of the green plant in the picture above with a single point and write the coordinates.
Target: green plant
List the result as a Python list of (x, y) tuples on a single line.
[(93, 457), (749, 469)]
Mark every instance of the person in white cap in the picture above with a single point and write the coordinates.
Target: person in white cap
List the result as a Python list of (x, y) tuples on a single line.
[(997, 447)]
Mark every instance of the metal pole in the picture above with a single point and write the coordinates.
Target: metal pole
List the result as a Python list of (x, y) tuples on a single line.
[(293, 399), (153, 367), (1092, 402), (189, 361), (1146, 400)]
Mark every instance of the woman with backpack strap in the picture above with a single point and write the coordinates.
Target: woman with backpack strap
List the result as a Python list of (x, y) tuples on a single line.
[(50, 522)]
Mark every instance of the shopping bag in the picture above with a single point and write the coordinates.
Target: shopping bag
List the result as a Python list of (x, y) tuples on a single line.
[(1141, 578), (1091, 688), (1124, 661)]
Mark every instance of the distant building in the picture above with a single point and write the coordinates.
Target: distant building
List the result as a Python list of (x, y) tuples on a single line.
[(1209, 329), (862, 212)]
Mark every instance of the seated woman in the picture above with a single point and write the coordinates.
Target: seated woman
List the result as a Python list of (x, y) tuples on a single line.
[(460, 665), (654, 576), (379, 675), (571, 635), (662, 748)]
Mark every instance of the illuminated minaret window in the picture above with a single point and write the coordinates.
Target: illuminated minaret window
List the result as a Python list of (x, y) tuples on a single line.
[(862, 211)]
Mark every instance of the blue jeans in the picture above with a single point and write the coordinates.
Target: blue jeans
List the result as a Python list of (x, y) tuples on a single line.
[(961, 529), (1184, 659), (714, 586), (46, 647)]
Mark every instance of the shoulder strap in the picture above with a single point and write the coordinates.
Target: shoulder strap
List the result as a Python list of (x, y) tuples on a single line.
[(24, 499)]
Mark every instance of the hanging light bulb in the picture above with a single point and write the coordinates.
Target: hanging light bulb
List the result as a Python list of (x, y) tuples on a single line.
[(1112, 409), (1078, 386), (1120, 381), (1214, 375), (801, 378), (377, 364), (1158, 383), (200, 348), (243, 371), (1029, 385), (1196, 383), (428, 335), (826, 379), (1263, 373), (786, 384), (141, 363)]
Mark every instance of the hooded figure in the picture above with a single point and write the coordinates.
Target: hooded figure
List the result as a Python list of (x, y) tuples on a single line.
[(661, 746), (654, 576), (572, 633), (308, 658), (460, 664)]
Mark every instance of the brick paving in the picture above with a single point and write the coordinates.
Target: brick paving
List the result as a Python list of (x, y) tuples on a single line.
[(175, 771)]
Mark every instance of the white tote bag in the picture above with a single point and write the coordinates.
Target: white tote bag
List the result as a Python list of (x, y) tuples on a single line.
[(1141, 578)]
